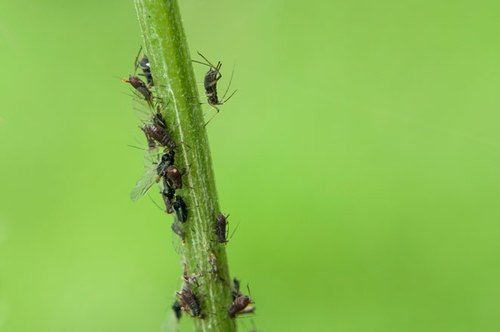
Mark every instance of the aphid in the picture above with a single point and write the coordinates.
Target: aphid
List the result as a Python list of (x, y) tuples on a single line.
[(174, 177), (154, 127), (220, 228), (168, 199), (139, 84), (146, 69), (177, 308), (180, 209), (210, 83), (189, 302), (239, 306), (155, 170)]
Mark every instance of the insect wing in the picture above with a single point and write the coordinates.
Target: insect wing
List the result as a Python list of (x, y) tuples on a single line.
[(142, 110), (150, 175), (143, 184)]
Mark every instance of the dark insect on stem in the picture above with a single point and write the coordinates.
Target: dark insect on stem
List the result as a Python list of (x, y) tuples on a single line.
[(168, 198), (174, 177), (166, 162), (139, 84), (155, 169), (157, 131), (189, 302), (177, 308), (146, 69), (180, 209), (239, 306), (220, 228), (210, 83)]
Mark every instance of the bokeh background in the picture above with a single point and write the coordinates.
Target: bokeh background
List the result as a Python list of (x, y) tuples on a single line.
[(360, 158)]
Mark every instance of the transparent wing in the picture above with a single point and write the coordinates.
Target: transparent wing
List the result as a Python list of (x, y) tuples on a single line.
[(171, 323), (142, 110), (152, 157), (143, 184)]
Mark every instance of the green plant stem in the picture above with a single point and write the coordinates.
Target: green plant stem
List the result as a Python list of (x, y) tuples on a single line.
[(172, 69)]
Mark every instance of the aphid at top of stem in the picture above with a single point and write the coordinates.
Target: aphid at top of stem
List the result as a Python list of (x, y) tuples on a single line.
[(180, 209), (210, 83), (177, 308), (220, 228), (189, 302), (146, 69), (139, 84)]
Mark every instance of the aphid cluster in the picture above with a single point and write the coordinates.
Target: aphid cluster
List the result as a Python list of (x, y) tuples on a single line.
[(161, 169), (159, 156)]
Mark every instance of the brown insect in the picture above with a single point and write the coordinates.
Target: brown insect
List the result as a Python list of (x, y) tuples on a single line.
[(220, 228), (210, 83), (189, 302), (139, 84), (239, 306), (174, 177)]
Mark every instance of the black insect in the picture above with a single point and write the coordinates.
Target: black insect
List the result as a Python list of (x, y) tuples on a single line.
[(220, 228), (156, 168), (189, 302), (168, 198), (146, 69), (180, 209), (239, 306), (210, 83), (177, 308)]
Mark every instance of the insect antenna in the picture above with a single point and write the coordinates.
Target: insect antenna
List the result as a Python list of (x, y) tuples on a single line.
[(154, 202), (136, 63), (228, 86)]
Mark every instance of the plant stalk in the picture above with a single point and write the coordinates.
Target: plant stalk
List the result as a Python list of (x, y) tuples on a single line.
[(172, 69)]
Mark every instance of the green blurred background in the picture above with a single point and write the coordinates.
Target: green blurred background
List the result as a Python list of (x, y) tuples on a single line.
[(360, 158)]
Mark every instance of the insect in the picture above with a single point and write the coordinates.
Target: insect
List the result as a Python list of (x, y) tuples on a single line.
[(154, 125), (177, 308), (220, 228), (146, 69), (210, 83), (239, 306), (174, 177), (180, 209), (168, 197), (155, 167), (139, 84), (189, 302)]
